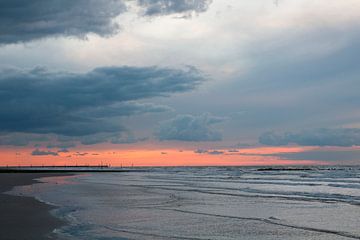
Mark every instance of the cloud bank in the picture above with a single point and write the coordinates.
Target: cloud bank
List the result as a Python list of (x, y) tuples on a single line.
[(165, 7), (350, 156), (344, 137), (38, 152), (23, 21), (78, 104), (190, 128), (19, 139)]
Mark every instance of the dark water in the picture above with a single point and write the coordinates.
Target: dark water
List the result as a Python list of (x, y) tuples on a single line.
[(208, 203)]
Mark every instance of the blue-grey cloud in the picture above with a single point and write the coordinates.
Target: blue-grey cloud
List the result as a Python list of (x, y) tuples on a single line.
[(63, 150), (124, 137), (210, 152), (344, 155), (92, 139), (127, 138), (215, 152), (63, 145), (20, 139), (190, 128), (125, 109), (165, 7), (22, 20), (345, 137), (233, 150), (38, 152), (200, 151), (350, 156), (79, 104)]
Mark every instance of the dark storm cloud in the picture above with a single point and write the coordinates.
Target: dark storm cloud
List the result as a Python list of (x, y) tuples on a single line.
[(79, 104), (38, 152), (125, 109), (23, 20), (64, 145), (165, 7), (19, 139), (190, 128), (125, 137), (344, 137), (94, 138)]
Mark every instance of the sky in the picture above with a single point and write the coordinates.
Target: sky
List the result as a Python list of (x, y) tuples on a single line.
[(179, 82)]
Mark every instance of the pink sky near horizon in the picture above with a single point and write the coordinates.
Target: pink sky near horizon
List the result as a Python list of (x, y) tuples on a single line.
[(87, 155)]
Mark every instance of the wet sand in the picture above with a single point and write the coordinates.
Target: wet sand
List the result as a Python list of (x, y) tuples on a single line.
[(25, 217)]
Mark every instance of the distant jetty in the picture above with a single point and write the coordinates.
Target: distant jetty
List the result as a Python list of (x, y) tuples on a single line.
[(65, 169)]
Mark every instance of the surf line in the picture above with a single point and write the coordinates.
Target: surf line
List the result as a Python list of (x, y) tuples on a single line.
[(338, 233), (296, 198), (151, 234)]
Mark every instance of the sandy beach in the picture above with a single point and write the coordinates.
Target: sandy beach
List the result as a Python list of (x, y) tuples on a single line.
[(24, 217)]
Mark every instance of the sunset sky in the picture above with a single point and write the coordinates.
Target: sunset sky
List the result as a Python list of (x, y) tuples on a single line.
[(179, 82)]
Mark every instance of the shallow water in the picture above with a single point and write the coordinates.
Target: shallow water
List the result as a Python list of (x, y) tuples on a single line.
[(207, 203)]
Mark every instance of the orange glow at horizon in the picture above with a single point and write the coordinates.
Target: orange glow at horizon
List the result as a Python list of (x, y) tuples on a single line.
[(156, 157)]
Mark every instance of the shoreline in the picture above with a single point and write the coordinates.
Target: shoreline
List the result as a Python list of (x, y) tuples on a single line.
[(24, 217)]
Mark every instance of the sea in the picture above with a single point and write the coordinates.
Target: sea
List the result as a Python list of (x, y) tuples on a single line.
[(201, 203)]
